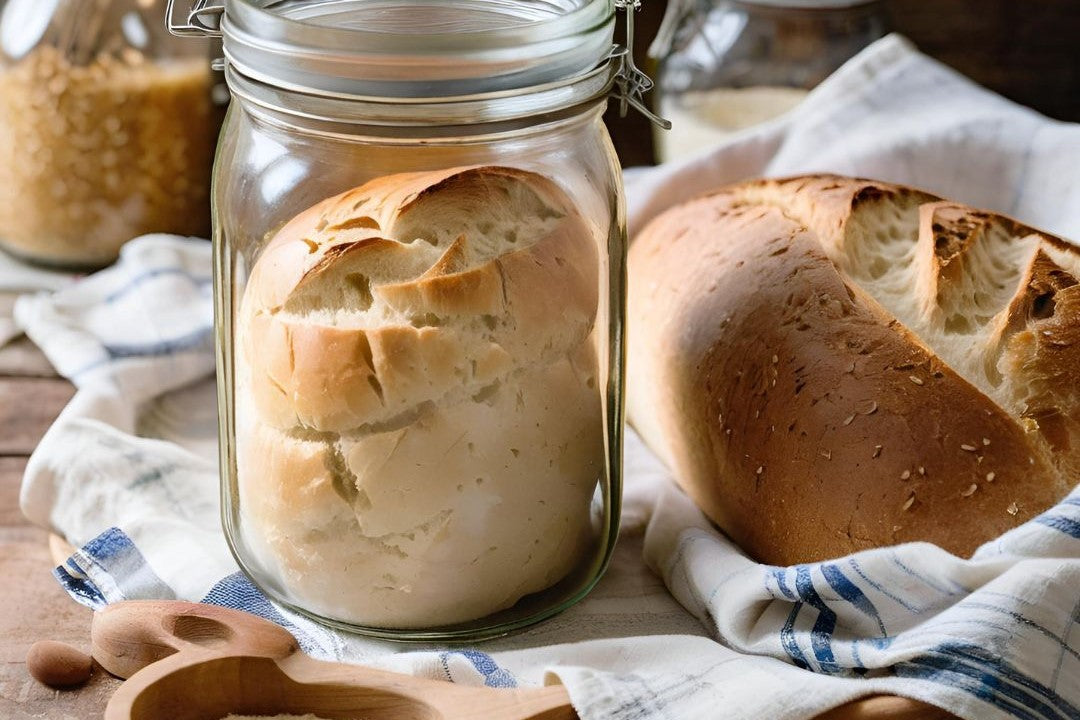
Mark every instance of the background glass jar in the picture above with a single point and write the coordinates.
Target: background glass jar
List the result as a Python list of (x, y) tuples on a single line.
[(106, 129), (419, 268), (724, 65)]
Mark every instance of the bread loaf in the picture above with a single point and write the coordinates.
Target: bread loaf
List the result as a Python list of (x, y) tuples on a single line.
[(829, 364), (419, 421), (411, 288)]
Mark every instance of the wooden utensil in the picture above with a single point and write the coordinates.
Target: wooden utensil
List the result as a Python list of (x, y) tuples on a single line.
[(188, 661)]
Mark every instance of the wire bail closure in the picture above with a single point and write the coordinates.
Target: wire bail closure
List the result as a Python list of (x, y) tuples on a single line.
[(631, 83), (203, 19)]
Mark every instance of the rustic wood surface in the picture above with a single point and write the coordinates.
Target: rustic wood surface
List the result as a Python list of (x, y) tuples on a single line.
[(32, 605)]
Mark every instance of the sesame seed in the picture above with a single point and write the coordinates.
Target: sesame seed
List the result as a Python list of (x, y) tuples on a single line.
[(728, 431), (986, 442), (970, 491), (757, 414), (905, 475), (910, 501), (922, 470), (775, 359), (1012, 509), (761, 469), (916, 380), (877, 451), (849, 419), (990, 477), (967, 448)]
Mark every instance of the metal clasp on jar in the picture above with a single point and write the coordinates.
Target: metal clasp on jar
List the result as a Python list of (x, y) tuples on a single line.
[(203, 19), (631, 83)]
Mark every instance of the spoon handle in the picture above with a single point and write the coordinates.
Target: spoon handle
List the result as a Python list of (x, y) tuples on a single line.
[(452, 702), (128, 636), (171, 647)]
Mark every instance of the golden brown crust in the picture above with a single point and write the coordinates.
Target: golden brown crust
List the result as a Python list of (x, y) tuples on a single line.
[(800, 413), (365, 294)]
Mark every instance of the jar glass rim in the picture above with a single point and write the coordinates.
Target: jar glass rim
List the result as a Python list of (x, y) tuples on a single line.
[(282, 41), (582, 14)]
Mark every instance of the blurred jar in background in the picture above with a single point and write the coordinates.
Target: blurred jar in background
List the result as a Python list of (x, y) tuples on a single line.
[(725, 65), (106, 129)]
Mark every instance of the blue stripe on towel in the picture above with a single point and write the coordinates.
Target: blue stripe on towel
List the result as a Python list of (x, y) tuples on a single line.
[(1022, 620), (81, 588), (780, 575), (494, 676), (1061, 523), (200, 338), (923, 579), (237, 592), (199, 281), (111, 555), (824, 626), (788, 640), (877, 586), (979, 671), (111, 545), (849, 591)]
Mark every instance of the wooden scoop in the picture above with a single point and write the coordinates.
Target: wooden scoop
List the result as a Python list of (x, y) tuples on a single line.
[(188, 661)]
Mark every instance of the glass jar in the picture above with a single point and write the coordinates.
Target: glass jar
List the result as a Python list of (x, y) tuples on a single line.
[(725, 65), (419, 265), (106, 129)]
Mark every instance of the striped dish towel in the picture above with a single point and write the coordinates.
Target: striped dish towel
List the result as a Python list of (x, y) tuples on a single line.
[(683, 625)]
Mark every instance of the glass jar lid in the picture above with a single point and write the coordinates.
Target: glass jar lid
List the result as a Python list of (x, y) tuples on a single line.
[(517, 57), (408, 48)]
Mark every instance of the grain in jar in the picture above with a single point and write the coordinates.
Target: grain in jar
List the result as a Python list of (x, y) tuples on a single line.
[(94, 155)]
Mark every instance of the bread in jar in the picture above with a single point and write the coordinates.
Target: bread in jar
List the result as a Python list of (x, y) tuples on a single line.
[(412, 288), (829, 364), (447, 518), (419, 419)]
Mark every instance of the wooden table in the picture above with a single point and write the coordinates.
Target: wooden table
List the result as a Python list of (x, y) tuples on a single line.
[(32, 604)]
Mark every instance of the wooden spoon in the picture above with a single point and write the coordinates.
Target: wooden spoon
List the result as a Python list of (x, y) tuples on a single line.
[(189, 661)]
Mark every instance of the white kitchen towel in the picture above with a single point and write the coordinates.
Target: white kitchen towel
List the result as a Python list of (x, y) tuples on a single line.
[(18, 277), (128, 473)]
